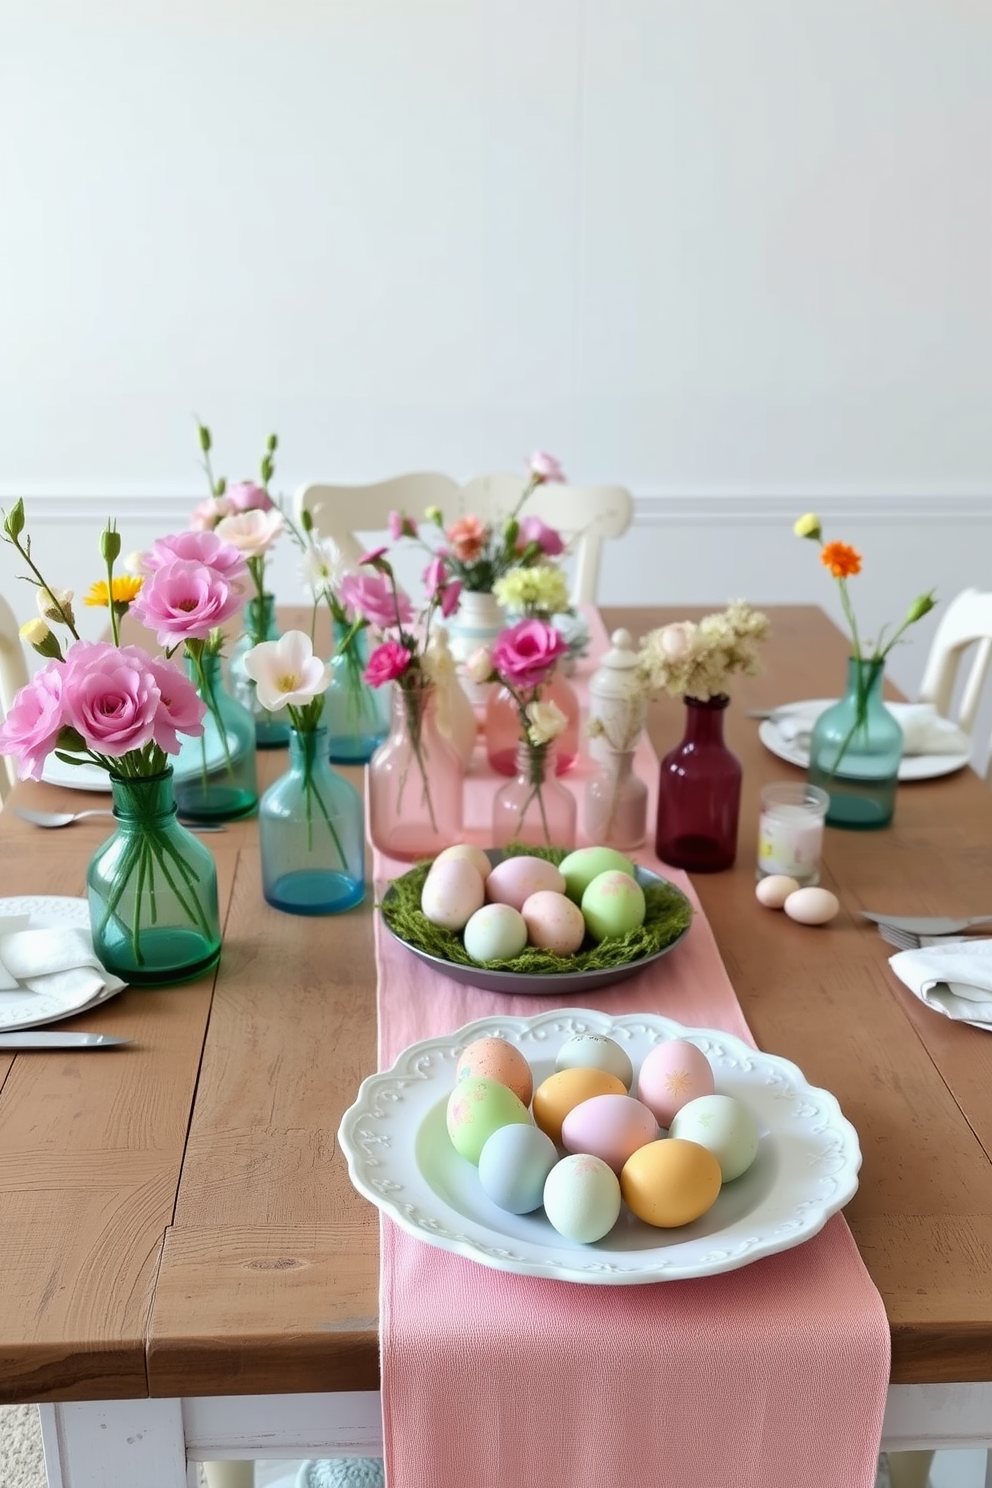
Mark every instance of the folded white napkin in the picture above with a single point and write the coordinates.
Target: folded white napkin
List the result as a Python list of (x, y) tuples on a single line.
[(59, 962), (923, 729), (952, 976)]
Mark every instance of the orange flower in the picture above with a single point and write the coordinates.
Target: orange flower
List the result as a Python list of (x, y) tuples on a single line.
[(841, 559), (467, 537)]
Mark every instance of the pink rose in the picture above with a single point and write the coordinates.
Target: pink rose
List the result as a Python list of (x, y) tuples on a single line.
[(526, 654), (544, 467), (246, 496), (533, 530), (204, 518), (197, 547), (371, 596), (109, 694), (181, 709), (185, 601), (34, 721), (386, 663)]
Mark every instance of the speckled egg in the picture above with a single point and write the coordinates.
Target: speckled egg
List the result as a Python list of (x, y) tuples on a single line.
[(451, 894), (582, 1197), (723, 1125), (466, 851), (478, 1107), (553, 922), (497, 1059), (613, 904), (670, 1182), (496, 932), (513, 1167), (673, 1073), (596, 1051), (515, 879), (586, 863), (610, 1127), (559, 1093)]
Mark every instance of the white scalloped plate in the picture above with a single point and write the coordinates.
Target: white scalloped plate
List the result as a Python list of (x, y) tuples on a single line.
[(399, 1156), (22, 1008)]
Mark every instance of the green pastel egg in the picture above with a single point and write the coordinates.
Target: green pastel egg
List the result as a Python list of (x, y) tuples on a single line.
[(476, 1108), (612, 904), (586, 863)]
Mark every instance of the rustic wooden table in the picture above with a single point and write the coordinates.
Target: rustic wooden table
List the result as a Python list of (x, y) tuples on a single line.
[(188, 1273)]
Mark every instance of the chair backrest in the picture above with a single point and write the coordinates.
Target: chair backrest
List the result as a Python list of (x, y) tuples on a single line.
[(966, 623), (13, 675), (341, 512)]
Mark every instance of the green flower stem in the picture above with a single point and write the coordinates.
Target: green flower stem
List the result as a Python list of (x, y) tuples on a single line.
[(415, 702), (208, 692), (536, 755)]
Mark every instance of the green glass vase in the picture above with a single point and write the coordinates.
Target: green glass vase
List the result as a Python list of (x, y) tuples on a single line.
[(311, 826), (855, 752), (152, 890), (271, 729), (355, 714), (216, 778)]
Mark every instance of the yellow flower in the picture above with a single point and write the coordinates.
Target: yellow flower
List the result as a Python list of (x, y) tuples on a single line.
[(541, 590), (808, 526), (125, 589), (34, 632)]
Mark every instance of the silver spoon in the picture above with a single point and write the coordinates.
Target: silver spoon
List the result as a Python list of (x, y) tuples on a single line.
[(66, 818)]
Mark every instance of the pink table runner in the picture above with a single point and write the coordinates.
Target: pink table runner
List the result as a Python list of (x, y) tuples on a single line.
[(772, 1376)]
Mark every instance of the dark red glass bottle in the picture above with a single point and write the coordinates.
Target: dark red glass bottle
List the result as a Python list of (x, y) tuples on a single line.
[(699, 793)]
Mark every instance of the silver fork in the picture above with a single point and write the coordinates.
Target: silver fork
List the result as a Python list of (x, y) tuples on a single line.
[(910, 940), (927, 924)]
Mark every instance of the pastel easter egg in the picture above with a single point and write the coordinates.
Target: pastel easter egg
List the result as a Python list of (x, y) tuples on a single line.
[(609, 1126), (613, 904), (553, 922), (723, 1125), (579, 868), (496, 932), (451, 894), (670, 1182), (596, 1051), (514, 1165), (497, 1059), (514, 880), (476, 1108), (582, 1197), (673, 1073), (465, 850), (556, 1096)]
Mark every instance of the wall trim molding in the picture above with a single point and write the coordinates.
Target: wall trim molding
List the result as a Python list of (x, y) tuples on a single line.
[(171, 508)]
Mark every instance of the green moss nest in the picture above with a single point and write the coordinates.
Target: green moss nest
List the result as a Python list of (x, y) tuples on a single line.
[(667, 914)]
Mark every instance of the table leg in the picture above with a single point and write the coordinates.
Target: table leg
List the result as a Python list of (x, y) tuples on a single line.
[(909, 1469), (105, 1443), (230, 1474)]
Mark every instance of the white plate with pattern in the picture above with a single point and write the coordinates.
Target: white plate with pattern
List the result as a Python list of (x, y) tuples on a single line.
[(20, 1007), (90, 777), (911, 766), (400, 1157)]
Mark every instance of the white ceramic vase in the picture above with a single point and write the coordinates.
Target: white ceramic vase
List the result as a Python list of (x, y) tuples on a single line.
[(477, 622)]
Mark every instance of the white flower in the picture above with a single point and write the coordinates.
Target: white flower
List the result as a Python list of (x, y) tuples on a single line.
[(285, 672), (55, 605), (252, 532), (676, 640), (479, 666), (545, 722), (323, 567), (136, 563), (208, 513)]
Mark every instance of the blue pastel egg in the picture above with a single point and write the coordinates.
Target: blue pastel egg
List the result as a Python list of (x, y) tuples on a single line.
[(513, 1167)]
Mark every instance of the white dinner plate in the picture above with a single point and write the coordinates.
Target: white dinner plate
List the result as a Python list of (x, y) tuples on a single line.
[(90, 777), (911, 766), (400, 1157), (22, 1008)]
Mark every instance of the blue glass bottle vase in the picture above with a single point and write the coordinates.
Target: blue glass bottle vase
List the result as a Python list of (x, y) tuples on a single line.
[(356, 715), (216, 778), (855, 752), (312, 833), (271, 729)]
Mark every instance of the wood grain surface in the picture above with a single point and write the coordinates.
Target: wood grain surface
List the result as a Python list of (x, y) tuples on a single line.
[(176, 1218)]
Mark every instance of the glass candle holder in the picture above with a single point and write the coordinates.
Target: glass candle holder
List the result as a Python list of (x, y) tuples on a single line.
[(790, 830)]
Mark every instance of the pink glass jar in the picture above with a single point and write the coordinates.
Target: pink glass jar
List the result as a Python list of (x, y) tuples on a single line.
[(415, 781), (502, 726), (616, 804), (534, 807), (699, 793)]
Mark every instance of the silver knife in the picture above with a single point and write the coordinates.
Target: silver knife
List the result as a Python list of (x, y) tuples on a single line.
[(29, 1039)]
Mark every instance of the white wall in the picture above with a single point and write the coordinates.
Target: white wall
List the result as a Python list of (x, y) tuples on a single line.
[(736, 257)]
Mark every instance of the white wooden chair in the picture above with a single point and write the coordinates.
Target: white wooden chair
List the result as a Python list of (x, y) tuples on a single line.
[(13, 675), (966, 623), (341, 512)]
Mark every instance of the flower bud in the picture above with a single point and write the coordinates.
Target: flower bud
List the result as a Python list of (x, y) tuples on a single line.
[(221, 485), (204, 434), (37, 634), (510, 533), (433, 514), (808, 526), (920, 607), (267, 468), (13, 522), (272, 444), (110, 544), (56, 605)]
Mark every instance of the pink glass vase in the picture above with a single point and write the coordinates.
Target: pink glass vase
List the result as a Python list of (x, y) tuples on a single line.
[(616, 805), (415, 781), (533, 807), (699, 793), (502, 726)]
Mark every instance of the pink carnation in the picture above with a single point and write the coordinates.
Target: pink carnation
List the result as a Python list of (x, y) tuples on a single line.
[(544, 467), (533, 530), (198, 547), (246, 496), (371, 596), (185, 601), (386, 663), (526, 654), (181, 709), (109, 694), (451, 597), (34, 721)]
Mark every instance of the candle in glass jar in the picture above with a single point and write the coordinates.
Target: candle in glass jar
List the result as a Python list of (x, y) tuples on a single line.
[(790, 831)]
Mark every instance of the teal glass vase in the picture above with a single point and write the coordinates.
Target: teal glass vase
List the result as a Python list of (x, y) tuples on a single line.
[(356, 715), (271, 729), (855, 752), (311, 826), (152, 890), (216, 778)]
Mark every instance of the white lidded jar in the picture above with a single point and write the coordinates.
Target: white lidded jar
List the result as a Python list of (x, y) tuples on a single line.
[(616, 699)]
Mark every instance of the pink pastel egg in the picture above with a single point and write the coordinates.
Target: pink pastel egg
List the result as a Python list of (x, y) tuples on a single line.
[(674, 1072), (610, 1127), (515, 879), (497, 1059), (554, 922)]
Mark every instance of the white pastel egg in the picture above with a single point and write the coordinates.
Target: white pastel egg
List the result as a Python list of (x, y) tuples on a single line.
[(812, 906), (724, 1126), (595, 1051), (582, 1197), (773, 891), (496, 932), (451, 894), (474, 855)]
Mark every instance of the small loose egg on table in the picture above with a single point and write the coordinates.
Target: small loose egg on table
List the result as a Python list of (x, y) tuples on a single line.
[(513, 1166), (514, 880), (470, 854), (478, 1107), (579, 868), (609, 1126), (670, 1182), (773, 891), (672, 1073), (812, 906), (451, 894), (582, 1197), (496, 1059), (596, 1051), (559, 1093), (496, 932), (725, 1126), (613, 904), (553, 922)]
